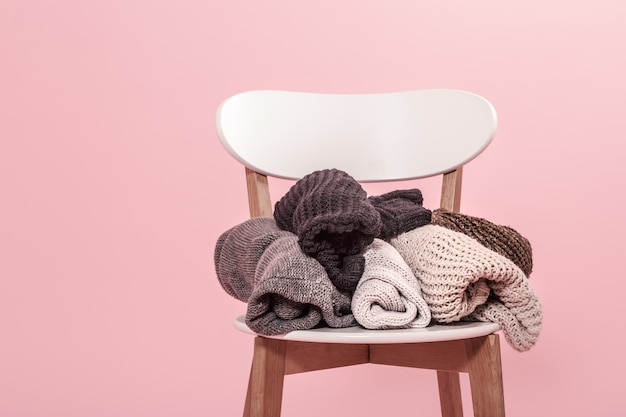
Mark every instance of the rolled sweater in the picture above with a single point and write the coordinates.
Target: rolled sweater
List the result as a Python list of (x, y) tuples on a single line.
[(388, 295), (285, 289), (462, 279)]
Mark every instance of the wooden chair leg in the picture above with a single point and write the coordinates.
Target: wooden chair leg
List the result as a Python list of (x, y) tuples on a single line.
[(246, 408), (450, 394), (485, 374), (265, 386)]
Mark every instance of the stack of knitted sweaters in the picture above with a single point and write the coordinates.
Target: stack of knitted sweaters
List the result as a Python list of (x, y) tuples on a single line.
[(332, 256)]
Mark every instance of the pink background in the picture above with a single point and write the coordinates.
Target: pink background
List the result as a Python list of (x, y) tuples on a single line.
[(114, 189)]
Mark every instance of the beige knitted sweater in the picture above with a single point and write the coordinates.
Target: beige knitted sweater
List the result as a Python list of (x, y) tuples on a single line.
[(388, 296), (463, 280)]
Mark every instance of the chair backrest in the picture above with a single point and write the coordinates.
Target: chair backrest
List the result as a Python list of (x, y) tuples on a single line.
[(372, 137)]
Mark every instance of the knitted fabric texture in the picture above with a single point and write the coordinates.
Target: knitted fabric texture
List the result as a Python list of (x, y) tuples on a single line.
[(502, 239), (285, 289), (521, 325), (462, 279), (388, 295), (329, 212), (400, 211), (237, 253)]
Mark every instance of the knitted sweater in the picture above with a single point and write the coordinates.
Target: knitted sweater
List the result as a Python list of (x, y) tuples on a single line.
[(502, 239), (400, 211), (329, 212), (462, 279), (388, 295), (285, 289)]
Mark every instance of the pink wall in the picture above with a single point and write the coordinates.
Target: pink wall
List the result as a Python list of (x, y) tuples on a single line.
[(114, 189)]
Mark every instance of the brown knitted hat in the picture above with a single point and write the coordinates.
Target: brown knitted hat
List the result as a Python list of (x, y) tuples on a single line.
[(329, 212), (501, 239), (400, 211)]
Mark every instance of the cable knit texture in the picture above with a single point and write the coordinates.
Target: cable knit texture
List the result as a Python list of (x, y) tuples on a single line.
[(285, 289), (329, 212), (502, 239), (388, 295), (462, 279), (400, 211)]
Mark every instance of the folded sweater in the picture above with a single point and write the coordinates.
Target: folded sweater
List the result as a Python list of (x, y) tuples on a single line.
[(388, 296), (462, 279), (285, 290)]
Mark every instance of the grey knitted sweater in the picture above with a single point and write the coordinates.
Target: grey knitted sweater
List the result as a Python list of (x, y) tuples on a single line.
[(286, 290)]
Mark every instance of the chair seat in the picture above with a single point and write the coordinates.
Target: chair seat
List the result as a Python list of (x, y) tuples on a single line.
[(360, 335)]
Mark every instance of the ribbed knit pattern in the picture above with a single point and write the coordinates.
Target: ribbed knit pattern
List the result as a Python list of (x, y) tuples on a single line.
[(237, 253), (521, 321), (329, 212), (502, 239), (388, 295), (286, 289), (457, 275), (400, 211)]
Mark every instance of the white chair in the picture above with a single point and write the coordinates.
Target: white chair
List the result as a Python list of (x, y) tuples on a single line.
[(373, 137)]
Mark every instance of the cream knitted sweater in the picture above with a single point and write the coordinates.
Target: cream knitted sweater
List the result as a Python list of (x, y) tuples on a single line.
[(462, 279), (388, 296)]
